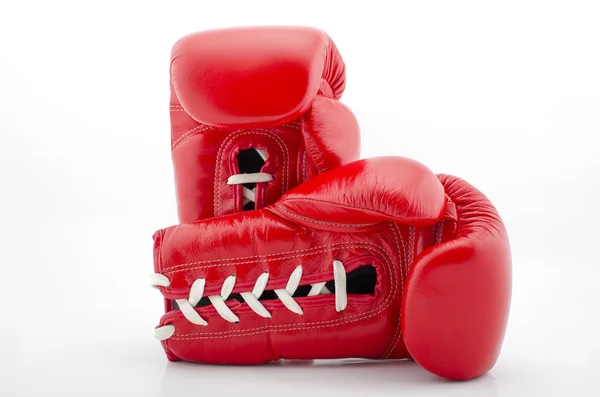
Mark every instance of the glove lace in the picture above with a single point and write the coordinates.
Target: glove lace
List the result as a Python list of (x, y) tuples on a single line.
[(250, 178), (187, 306)]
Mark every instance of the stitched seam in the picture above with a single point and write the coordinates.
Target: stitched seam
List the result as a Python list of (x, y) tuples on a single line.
[(227, 142), (329, 323), (189, 134), (398, 238), (287, 255), (159, 260), (350, 207), (293, 125), (304, 176), (193, 131), (303, 131), (438, 232), (390, 349), (394, 341), (290, 212), (411, 253)]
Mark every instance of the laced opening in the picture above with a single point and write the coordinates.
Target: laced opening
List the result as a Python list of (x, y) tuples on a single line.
[(250, 162), (360, 281)]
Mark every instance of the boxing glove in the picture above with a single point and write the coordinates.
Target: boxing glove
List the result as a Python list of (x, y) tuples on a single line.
[(375, 259), (254, 112)]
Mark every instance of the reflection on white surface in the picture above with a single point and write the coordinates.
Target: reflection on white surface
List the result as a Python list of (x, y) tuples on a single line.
[(303, 378), (101, 372)]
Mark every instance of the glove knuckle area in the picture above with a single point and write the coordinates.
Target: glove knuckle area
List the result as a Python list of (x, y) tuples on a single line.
[(370, 191), (457, 296), (282, 69)]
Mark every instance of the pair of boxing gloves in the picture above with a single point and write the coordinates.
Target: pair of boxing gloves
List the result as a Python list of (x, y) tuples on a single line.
[(291, 248)]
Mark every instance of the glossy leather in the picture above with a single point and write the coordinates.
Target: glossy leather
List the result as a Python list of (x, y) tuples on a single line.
[(269, 88), (438, 246)]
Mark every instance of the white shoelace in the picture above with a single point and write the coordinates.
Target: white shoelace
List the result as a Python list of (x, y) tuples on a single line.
[(187, 306), (257, 177)]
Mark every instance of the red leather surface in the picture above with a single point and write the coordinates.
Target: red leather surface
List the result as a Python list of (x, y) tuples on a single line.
[(205, 161), (369, 191), (458, 292), (443, 274), (254, 76), (249, 243), (270, 88), (331, 135)]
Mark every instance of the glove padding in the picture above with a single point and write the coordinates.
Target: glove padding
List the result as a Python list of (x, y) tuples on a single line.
[(376, 259), (260, 101)]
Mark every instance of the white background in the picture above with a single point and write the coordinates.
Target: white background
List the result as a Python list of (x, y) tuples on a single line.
[(504, 94)]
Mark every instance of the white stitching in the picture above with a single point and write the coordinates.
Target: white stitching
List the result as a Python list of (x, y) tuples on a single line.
[(321, 222), (401, 253), (390, 349), (294, 124), (228, 141), (329, 323), (190, 133), (239, 133), (196, 130), (397, 234), (411, 251), (292, 327), (257, 260), (304, 176), (303, 131), (438, 232)]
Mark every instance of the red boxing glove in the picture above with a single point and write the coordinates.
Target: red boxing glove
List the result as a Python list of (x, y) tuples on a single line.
[(377, 259), (255, 112)]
